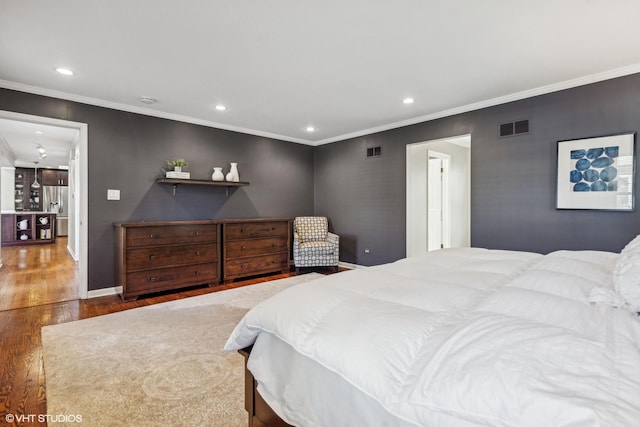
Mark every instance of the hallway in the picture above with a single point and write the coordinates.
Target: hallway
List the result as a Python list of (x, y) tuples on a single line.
[(34, 275)]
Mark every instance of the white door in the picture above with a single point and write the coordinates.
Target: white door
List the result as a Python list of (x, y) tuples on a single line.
[(438, 233)]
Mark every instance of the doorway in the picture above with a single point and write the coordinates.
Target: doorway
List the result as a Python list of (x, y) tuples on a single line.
[(76, 242), (438, 197)]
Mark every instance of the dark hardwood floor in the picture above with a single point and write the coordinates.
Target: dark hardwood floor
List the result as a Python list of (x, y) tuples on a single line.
[(37, 274), (22, 382)]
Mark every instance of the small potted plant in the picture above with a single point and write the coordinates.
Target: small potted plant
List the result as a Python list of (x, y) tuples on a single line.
[(177, 164)]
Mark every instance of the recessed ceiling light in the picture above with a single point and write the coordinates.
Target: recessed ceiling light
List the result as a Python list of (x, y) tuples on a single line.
[(39, 132), (148, 100), (65, 71), (311, 129), (407, 101), (220, 107)]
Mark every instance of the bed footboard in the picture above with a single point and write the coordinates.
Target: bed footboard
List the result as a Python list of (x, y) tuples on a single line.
[(260, 414)]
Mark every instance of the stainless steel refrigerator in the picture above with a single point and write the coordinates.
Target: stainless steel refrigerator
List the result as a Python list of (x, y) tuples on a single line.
[(55, 199)]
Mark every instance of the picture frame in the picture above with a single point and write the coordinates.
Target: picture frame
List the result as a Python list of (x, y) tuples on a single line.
[(597, 173)]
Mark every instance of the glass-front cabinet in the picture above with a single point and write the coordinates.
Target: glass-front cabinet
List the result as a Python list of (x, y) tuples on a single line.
[(27, 198)]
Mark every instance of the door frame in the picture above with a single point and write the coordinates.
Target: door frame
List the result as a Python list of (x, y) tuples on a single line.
[(416, 192), (82, 194)]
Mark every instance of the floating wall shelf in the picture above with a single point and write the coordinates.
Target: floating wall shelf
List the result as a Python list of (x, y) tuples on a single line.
[(175, 182)]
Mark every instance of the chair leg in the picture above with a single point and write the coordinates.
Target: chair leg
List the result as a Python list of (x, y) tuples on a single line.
[(336, 269), (297, 270)]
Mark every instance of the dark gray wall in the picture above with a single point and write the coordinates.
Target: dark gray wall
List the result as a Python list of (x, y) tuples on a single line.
[(512, 179), (128, 151)]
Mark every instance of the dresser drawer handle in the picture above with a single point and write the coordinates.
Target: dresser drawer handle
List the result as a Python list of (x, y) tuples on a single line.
[(197, 273), (197, 233), (153, 279), (197, 253), (243, 247), (152, 257), (242, 230), (244, 266), (153, 236)]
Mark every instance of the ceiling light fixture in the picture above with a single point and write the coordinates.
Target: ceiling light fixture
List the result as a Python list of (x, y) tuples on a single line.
[(36, 184), (39, 132), (221, 107), (42, 152), (407, 101), (311, 129), (148, 100), (65, 71)]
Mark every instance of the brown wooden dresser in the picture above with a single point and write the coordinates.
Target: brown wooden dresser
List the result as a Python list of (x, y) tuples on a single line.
[(157, 256), (255, 246)]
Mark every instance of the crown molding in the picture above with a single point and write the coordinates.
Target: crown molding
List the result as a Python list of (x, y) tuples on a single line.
[(144, 111), (542, 90)]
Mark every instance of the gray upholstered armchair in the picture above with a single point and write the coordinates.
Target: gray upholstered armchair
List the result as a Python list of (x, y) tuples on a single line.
[(313, 244)]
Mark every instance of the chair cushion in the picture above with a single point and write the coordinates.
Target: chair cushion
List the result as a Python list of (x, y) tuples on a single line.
[(317, 248), (316, 254), (311, 228)]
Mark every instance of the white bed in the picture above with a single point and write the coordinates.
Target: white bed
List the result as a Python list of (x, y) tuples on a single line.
[(457, 337)]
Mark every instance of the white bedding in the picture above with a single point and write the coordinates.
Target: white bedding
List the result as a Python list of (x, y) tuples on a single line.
[(455, 337)]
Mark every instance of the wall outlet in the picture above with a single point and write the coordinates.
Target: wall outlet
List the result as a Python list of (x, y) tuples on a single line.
[(367, 250), (113, 194)]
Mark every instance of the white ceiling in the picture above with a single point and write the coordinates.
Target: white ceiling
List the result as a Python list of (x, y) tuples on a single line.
[(342, 67), (23, 140)]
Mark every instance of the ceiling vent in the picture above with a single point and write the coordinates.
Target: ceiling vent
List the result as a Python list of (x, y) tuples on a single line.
[(374, 151), (514, 128)]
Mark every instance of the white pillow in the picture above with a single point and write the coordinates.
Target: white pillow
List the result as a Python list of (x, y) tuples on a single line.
[(626, 274), (633, 247)]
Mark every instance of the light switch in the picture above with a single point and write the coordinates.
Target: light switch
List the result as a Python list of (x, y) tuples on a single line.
[(113, 194)]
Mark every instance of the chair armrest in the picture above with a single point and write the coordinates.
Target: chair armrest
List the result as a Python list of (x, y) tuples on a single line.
[(333, 238)]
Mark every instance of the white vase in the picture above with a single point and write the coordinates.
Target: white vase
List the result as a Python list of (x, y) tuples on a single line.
[(177, 168), (233, 175), (217, 174)]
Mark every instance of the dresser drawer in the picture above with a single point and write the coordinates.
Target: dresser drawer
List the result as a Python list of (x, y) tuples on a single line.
[(169, 256), (246, 267), (247, 230), (253, 247), (170, 278), (174, 234)]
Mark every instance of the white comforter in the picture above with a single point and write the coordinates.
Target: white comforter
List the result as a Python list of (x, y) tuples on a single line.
[(466, 336)]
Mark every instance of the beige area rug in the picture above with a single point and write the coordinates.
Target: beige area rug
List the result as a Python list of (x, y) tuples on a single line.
[(159, 365)]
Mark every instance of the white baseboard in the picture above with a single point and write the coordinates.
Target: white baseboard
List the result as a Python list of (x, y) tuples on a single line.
[(72, 253), (350, 266), (116, 290)]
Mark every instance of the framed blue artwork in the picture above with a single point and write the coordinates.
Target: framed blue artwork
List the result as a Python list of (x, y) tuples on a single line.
[(597, 173)]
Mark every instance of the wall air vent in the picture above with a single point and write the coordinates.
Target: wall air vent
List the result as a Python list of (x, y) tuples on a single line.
[(374, 151), (514, 128)]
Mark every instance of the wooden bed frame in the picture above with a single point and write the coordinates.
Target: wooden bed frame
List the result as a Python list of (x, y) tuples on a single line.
[(260, 414)]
